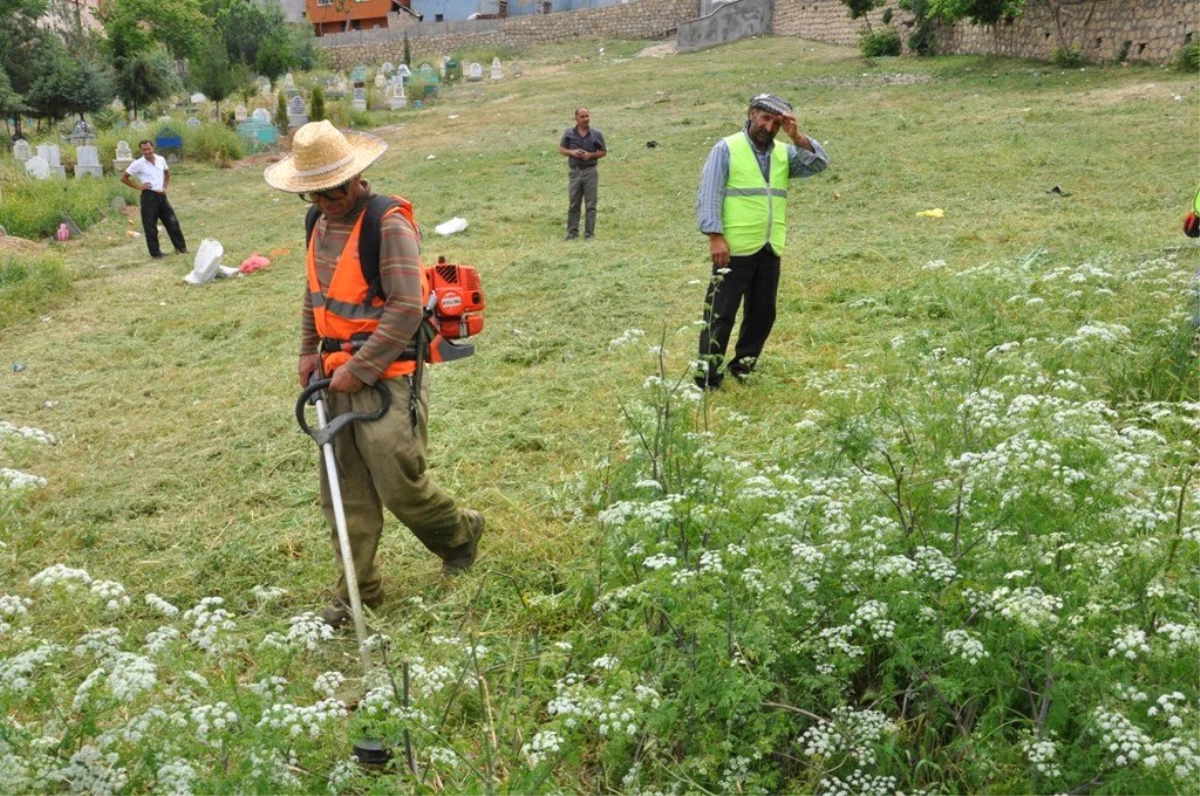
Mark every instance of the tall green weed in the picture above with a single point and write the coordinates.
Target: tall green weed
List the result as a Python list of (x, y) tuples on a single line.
[(34, 208), (28, 282)]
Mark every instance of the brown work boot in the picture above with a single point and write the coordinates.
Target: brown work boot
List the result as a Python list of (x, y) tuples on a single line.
[(463, 556), (339, 613)]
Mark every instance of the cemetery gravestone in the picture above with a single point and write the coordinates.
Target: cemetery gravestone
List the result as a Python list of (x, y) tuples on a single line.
[(359, 103), (87, 162), (198, 98), (50, 154), (396, 98), (21, 150), (239, 113), (387, 68), (37, 167), (262, 115), (193, 122), (475, 72), (405, 72), (496, 74), (380, 79), (81, 134), (358, 74), (289, 83), (124, 157), (297, 112)]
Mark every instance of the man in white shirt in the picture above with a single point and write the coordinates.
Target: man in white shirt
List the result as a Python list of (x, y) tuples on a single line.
[(150, 175)]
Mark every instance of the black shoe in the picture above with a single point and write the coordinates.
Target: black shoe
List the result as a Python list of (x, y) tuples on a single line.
[(181, 251), (461, 559), (742, 376), (709, 382), (571, 236), (158, 256), (589, 236)]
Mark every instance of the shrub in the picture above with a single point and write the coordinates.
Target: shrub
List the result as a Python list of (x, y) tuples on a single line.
[(26, 282), (1188, 59), (360, 119), (884, 42), (214, 143), (281, 111), (1068, 57), (317, 105), (34, 208)]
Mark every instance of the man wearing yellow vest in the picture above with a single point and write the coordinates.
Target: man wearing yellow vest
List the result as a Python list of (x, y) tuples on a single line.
[(359, 332), (741, 208)]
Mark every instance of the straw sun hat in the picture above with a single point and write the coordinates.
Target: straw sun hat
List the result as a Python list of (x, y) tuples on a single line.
[(322, 158)]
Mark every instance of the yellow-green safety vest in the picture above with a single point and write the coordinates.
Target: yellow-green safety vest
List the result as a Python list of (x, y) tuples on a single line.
[(754, 211)]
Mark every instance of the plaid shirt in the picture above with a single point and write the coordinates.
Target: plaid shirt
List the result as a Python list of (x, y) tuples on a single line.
[(400, 275)]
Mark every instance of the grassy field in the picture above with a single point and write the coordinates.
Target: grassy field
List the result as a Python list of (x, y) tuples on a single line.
[(179, 469)]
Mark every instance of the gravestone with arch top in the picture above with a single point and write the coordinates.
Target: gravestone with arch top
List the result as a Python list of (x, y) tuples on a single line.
[(239, 113), (475, 72), (22, 150), (50, 154), (496, 73), (37, 167), (297, 112), (124, 157), (396, 96), (262, 115)]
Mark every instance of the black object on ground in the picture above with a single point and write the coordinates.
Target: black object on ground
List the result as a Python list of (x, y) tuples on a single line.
[(372, 753), (1058, 191)]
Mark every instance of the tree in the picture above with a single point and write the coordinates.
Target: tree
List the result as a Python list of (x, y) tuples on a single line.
[(11, 103), (133, 27), (67, 84), (214, 76), (860, 8), (980, 12), (144, 77), (21, 39), (316, 112), (274, 58)]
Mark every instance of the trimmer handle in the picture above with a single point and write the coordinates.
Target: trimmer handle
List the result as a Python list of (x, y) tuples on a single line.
[(324, 436)]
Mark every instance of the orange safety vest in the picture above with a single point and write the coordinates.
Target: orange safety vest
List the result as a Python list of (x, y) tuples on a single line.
[(346, 311)]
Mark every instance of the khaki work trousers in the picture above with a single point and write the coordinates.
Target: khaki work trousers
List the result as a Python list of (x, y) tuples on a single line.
[(382, 463)]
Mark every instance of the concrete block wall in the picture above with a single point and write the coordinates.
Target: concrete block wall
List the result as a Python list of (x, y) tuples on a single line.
[(1156, 29), (638, 19), (729, 22)]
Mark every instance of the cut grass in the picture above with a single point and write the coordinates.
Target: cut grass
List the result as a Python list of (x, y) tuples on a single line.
[(180, 464)]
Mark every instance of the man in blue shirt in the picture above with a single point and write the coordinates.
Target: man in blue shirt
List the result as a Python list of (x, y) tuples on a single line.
[(741, 207), (583, 146)]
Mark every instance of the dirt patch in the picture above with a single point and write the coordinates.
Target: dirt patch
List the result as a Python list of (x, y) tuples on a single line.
[(660, 50), (1115, 96), (261, 160), (11, 243)]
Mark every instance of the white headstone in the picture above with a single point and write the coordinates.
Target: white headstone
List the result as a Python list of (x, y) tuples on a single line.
[(21, 150), (289, 82), (475, 72), (297, 113), (359, 103), (123, 159), (88, 162), (396, 98), (387, 68), (262, 115), (137, 124), (405, 72), (239, 113), (50, 154), (496, 73), (380, 79), (264, 87), (37, 167), (442, 65), (198, 98), (193, 122)]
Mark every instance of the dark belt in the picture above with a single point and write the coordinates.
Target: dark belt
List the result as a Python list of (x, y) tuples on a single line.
[(330, 345), (581, 168)]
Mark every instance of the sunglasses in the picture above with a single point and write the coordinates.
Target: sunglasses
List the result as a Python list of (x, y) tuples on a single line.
[(333, 194)]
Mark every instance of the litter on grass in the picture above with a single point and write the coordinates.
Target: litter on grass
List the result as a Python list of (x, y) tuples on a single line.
[(455, 224), (207, 265)]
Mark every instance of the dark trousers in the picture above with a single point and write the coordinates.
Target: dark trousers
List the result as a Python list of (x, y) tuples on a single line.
[(155, 207), (754, 278), (582, 187)]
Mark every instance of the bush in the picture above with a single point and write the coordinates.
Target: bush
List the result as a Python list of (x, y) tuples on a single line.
[(884, 42), (1188, 59), (34, 208), (214, 143), (26, 282), (360, 119), (281, 121), (317, 106), (1068, 57)]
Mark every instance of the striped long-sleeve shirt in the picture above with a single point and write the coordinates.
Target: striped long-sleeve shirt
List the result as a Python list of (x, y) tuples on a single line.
[(400, 276), (801, 163)]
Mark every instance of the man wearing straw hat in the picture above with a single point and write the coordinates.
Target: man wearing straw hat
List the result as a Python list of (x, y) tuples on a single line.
[(380, 463), (741, 208)]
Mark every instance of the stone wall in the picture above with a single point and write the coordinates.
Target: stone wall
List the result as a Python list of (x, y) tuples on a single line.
[(638, 19), (729, 22), (1155, 29)]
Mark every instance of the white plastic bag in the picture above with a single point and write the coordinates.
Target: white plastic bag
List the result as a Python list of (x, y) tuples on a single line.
[(455, 224), (207, 265)]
